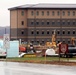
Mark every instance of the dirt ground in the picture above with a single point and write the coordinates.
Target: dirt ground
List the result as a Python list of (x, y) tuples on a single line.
[(62, 63), (54, 62), (66, 63)]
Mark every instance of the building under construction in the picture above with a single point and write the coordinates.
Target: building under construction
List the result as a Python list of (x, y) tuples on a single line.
[(36, 23)]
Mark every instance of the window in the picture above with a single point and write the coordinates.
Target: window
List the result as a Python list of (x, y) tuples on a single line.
[(63, 13), (58, 22), (52, 32), (42, 23), (58, 13), (48, 23), (73, 13), (38, 42), (47, 13), (32, 13), (58, 41), (37, 32), (63, 41), (68, 22), (63, 23), (37, 13), (42, 42), (73, 32), (22, 32), (32, 23), (37, 23), (42, 32), (32, 41), (47, 32), (68, 13), (53, 23), (73, 23), (68, 32), (42, 13), (22, 13), (32, 32), (22, 22), (68, 41), (53, 13), (58, 32), (63, 32)]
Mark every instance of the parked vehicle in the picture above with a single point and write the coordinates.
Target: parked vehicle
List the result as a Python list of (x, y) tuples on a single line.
[(3, 53), (22, 49), (71, 51), (32, 48)]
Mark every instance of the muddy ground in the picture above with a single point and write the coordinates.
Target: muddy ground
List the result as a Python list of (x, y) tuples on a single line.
[(48, 62), (53, 62)]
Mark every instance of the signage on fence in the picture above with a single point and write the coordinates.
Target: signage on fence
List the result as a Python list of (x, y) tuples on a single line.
[(6, 41), (63, 48)]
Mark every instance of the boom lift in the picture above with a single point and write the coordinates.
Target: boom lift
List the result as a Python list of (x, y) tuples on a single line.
[(53, 43), (73, 39)]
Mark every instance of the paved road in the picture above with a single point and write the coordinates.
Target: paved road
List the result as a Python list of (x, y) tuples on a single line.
[(10, 68)]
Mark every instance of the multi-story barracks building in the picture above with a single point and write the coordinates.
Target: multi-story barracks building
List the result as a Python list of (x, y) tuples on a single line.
[(37, 22)]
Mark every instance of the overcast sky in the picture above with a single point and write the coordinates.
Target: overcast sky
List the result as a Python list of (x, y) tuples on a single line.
[(5, 4)]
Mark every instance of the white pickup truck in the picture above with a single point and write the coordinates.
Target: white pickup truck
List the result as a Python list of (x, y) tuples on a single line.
[(3, 53)]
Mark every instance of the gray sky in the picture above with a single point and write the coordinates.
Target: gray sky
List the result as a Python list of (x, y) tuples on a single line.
[(5, 4)]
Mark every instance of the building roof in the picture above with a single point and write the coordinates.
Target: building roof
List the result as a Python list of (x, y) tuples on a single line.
[(44, 6)]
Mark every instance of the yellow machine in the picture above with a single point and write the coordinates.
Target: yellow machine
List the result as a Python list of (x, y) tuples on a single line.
[(73, 39), (53, 43)]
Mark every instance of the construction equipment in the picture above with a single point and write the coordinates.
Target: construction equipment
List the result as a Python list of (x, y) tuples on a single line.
[(73, 39), (40, 50), (53, 43)]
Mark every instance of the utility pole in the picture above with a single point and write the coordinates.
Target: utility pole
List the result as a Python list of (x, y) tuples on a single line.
[(5, 30)]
